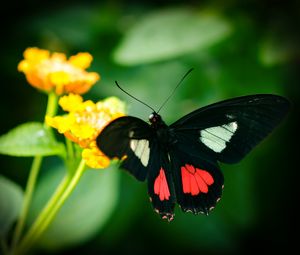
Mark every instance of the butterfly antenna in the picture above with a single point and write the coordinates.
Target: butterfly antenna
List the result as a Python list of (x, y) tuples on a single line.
[(133, 96), (179, 83)]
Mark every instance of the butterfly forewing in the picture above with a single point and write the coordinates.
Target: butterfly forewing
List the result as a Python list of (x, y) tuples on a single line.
[(231, 128), (131, 139)]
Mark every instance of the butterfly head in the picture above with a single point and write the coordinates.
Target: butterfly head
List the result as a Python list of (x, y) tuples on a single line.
[(155, 118)]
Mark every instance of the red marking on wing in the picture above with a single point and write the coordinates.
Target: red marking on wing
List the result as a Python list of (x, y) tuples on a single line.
[(161, 186), (195, 180)]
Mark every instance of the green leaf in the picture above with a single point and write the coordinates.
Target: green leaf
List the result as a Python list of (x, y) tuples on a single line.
[(30, 139), (170, 33), (85, 211), (11, 198)]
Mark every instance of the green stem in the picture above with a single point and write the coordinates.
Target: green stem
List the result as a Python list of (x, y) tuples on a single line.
[(70, 159), (27, 199), (52, 104), (35, 168), (50, 212), (48, 207), (70, 149)]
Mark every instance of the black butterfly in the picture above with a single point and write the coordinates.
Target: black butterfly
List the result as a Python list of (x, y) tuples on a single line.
[(180, 161)]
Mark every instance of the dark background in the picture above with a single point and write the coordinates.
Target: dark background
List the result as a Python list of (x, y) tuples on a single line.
[(258, 210)]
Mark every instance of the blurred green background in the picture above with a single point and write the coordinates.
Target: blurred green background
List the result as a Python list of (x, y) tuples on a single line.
[(236, 48)]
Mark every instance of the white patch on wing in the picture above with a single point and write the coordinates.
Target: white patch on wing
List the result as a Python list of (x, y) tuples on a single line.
[(141, 150), (215, 138)]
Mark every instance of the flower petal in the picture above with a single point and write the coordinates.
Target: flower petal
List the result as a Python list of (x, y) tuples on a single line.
[(94, 158), (81, 60), (36, 54), (71, 102)]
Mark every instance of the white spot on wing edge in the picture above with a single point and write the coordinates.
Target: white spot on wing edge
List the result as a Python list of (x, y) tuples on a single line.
[(229, 116), (131, 133), (215, 138), (141, 150), (169, 157)]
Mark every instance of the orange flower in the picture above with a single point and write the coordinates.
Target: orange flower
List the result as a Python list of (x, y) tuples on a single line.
[(84, 122), (55, 73)]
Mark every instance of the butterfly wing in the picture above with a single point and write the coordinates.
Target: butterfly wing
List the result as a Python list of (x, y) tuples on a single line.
[(229, 129), (226, 132), (161, 184), (198, 180), (131, 139)]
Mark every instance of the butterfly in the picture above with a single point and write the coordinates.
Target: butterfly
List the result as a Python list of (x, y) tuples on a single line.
[(181, 161)]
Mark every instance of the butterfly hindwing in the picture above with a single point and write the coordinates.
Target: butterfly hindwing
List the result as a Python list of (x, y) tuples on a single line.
[(128, 138), (198, 181), (228, 130), (161, 184)]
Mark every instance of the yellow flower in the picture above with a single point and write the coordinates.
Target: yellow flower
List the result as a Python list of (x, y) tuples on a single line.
[(53, 72), (94, 158), (84, 122)]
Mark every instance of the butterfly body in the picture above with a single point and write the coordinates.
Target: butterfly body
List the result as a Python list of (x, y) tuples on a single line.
[(180, 161), (163, 133)]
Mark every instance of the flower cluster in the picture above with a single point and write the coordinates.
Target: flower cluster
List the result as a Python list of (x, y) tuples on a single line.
[(54, 72), (84, 122)]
